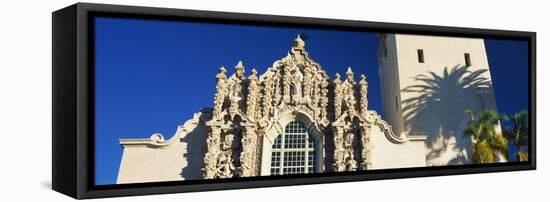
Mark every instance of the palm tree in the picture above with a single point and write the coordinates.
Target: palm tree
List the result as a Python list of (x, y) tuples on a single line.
[(486, 141), (518, 133)]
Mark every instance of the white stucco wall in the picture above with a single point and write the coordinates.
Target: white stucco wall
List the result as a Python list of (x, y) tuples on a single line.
[(443, 117), (155, 159), (143, 164), (387, 154)]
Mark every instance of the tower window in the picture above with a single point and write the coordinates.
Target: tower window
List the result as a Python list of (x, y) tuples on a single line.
[(467, 59), (420, 56)]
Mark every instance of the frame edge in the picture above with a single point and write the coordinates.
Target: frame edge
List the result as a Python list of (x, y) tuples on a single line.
[(64, 164)]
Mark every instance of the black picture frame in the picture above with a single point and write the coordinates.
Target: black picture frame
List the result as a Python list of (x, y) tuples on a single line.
[(73, 100)]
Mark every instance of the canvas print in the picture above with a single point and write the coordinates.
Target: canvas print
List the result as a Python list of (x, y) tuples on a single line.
[(181, 100)]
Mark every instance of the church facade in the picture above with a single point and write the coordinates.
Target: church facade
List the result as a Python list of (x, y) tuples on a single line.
[(291, 119)]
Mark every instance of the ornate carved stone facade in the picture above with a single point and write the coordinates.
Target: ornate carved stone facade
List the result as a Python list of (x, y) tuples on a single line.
[(235, 137), (245, 107)]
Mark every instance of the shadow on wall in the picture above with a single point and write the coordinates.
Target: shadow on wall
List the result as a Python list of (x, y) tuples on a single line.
[(436, 108), (195, 150)]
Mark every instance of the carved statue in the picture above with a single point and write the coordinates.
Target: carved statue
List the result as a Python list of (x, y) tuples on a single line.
[(349, 140), (298, 78), (225, 165), (228, 142), (349, 157), (351, 165)]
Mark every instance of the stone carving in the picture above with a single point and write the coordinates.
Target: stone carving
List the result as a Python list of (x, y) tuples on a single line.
[(366, 148), (225, 166), (338, 94), (248, 156), (324, 100), (252, 94), (349, 152), (244, 107), (363, 86), (351, 116), (287, 80), (297, 79), (348, 88), (211, 157), (339, 163), (221, 91)]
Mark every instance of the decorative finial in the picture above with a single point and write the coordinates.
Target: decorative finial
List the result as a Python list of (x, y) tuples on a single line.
[(240, 67), (221, 73), (363, 80), (349, 74), (337, 78), (299, 43), (253, 73)]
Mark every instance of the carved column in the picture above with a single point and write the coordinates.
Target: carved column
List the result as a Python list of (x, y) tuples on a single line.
[(337, 96), (363, 86), (308, 86), (248, 155), (339, 164), (213, 151), (366, 148), (267, 97), (287, 80), (316, 95), (277, 95), (252, 94), (221, 91), (349, 93), (236, 92), (324, 99)]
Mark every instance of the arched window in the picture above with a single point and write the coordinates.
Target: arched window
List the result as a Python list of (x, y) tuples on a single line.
[(293, 152)]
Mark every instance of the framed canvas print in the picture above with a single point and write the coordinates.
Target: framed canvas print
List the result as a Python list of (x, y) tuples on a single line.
[(155, 100)]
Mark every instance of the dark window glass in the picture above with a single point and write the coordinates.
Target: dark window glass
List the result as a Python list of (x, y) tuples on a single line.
[(420, 55), (467, 59)]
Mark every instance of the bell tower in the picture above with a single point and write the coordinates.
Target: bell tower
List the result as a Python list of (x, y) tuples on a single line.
[(427, 83)]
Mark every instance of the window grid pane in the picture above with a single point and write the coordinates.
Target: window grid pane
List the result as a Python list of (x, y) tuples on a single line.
[(290, 150)]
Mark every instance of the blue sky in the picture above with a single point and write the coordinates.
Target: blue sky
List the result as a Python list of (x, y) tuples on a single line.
[(153, 75)]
